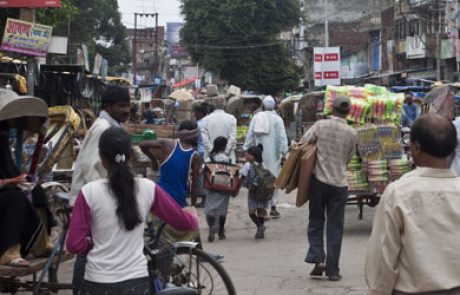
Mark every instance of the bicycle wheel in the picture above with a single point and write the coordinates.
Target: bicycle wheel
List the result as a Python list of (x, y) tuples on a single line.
[(194, 268)]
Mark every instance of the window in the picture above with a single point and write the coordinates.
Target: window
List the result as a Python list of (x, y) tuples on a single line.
[(414, 27)]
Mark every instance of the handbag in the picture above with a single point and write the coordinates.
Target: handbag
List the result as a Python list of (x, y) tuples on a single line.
[(221, 177)]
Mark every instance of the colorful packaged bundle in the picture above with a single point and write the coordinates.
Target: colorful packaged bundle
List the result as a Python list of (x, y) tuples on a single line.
[(354, 164), (356, 92), (377, 171), (357, 181), (374, 90), (358, 111), (398, 167), (368, 144), (330, 95)]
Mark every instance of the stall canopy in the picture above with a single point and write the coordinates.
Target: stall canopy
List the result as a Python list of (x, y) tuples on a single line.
[(185, 82)]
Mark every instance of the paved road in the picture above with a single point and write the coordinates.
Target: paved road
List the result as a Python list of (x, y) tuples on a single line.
[(275, 265)]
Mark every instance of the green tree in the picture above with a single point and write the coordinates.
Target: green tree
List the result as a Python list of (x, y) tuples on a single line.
[(96, 23), (238, 40)]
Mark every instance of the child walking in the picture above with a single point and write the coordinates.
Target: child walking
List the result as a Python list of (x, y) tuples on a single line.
[(216, 204), (248, 175)]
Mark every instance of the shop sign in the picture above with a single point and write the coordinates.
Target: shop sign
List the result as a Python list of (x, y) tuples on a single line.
[(29, 3), (26, 38), (327, 66)]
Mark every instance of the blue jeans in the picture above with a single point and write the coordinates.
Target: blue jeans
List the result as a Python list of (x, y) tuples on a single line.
[(330, 199), (139, 286), (78, 273)]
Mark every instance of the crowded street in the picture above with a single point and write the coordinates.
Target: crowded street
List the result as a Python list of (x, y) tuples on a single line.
[(276, 265), (250, 147)]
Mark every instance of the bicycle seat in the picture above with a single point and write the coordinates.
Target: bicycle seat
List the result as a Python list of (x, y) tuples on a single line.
[(177, 291)]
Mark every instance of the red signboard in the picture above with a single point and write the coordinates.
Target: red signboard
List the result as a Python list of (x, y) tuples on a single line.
[(331, 57), (30, 3)]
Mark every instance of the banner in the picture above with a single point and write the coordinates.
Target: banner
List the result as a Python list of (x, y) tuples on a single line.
[(449, 48), (327, 66), (416, 46), (26, 38), (97, 64), (30, 3), (86, 56), (175, 49)]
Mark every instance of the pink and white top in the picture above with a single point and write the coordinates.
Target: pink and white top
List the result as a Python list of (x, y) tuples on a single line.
[(113, 253)]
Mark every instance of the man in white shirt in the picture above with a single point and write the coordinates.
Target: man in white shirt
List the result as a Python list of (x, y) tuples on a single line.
[(216, 124), (88, 166), (414, 244)]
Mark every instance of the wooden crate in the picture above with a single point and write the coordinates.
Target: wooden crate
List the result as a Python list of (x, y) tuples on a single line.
[(162, 131)]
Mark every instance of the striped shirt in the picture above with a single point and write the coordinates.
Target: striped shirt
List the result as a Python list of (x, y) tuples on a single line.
[(335, 145)]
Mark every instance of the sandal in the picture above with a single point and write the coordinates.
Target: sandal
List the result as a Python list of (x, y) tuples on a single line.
[(19, 262)]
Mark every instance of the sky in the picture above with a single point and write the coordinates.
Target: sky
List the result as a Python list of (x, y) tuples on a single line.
[(168, 11)]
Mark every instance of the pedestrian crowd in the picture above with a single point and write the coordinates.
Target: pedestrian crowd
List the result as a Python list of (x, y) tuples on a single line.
[(412, 248)]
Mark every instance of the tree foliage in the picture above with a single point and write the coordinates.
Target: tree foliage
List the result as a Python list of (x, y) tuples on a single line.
[(238, 40)]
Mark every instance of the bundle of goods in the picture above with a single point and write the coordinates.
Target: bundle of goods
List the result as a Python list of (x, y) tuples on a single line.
[(184, 110), (377, 175), (355, 176), (388, 136), (369, 147), (368, 102), (241, 132), (398, 167)]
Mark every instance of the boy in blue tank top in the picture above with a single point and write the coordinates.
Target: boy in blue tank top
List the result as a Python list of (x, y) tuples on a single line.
[(176, 160)]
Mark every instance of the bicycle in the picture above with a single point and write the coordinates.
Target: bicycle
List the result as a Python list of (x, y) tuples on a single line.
[(182, 264)]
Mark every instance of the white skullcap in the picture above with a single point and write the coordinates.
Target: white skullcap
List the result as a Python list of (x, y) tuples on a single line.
[(269, 102)]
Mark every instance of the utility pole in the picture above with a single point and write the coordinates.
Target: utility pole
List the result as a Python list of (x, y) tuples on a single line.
[(28, 14), (157, 62), (135, 49), (438, 42), (326, 24)]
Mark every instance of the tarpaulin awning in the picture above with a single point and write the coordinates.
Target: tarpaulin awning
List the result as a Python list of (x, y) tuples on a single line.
[(185, 82)]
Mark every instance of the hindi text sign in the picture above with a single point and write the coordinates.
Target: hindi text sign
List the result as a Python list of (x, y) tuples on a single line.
[(26, 38)]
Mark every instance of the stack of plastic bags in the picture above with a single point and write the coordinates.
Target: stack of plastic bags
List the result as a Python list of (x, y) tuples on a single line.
[(368, 102), (377, 175), (398, 167), (356, 177)]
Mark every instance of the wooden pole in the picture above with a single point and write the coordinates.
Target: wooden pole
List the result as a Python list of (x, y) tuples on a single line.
[(28, 14)]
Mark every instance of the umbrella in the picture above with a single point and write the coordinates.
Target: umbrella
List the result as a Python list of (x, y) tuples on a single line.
[(181, 95)]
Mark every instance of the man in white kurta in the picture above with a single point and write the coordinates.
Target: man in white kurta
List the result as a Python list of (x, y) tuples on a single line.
[(216, 124), (267, 128), (88, 166)]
